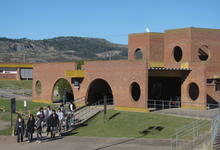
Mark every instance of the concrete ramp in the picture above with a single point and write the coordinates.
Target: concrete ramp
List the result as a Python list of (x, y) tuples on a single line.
[(86, 113)]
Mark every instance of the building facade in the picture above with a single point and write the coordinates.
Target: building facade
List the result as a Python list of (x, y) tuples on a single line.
[(179, 66), (16, 71)]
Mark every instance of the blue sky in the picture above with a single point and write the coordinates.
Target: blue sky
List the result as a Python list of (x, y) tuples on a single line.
[(110, 19)]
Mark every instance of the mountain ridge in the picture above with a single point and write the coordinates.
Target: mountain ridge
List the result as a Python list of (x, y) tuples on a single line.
[(57, 49)]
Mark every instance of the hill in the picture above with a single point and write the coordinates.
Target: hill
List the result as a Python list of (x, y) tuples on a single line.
[(59, 49)]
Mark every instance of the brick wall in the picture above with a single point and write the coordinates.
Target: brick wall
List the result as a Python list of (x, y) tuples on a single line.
[(7, 76), (119, 75), (48, 74)]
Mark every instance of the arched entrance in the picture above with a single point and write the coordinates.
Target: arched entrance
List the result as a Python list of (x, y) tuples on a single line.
[(97, 90), (62, 90)]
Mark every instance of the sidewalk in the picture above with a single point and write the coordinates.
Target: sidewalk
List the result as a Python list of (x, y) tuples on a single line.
[(201, 114), (87, 143)]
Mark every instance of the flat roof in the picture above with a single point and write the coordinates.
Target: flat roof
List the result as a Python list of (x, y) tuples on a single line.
[(16, 65)]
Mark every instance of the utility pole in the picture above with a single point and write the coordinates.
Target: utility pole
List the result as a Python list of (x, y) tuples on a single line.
[(24, 58), (105, 104)]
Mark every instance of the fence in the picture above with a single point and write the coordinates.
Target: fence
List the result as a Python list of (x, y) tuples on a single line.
[(198, 110), (167, 104), (214, 130), (190, 136), (196, 133), (87, 112)]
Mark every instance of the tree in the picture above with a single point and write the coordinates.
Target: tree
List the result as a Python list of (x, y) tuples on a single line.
[(64, 86)]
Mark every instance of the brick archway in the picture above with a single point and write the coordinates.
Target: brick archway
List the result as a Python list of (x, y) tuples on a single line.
[(62, 89), (96, 91)]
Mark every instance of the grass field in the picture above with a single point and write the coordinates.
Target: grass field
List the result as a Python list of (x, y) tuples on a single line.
[(114, 124), (31, 106), (131, 124), (16, 84)]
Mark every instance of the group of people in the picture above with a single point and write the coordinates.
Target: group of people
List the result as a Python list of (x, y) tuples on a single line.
[(47, 117)]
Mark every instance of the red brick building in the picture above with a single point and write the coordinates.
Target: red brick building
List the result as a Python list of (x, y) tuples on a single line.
[(180, 65)]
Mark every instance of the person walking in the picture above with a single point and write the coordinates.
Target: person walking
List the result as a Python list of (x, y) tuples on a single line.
[(38, 127), (60, 114), (61, 118), (20, 127), (64, 95), (54, 122), (72, 108), (30, 127), (62, 108), (47, 113), (41, 114)]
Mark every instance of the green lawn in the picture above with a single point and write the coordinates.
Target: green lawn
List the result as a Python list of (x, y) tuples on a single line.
[(31, 106), (16, 84), (131, 124), (115, 123)]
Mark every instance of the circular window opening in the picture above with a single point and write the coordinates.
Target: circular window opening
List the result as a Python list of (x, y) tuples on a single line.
[(193, 91), (138, 54), (177, 53), (38, 87), (203, 53), (135, 91)]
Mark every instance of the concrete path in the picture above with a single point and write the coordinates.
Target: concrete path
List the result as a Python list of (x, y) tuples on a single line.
[(4, 124), (205, 114), (86, 143), (18, 94)]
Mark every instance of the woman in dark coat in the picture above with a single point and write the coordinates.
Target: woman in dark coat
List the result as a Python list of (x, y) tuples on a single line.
[(20, 127), (30, 127), (54, 123)]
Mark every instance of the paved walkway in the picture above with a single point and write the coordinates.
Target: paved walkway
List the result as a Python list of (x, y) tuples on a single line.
[(206, 114), (4, 124), (19, 94), (86, 143)]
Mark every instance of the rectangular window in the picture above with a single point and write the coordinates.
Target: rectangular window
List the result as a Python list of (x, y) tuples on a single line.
[(217, 86)]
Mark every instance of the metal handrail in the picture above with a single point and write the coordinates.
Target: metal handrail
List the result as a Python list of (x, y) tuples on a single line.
[(163, 104), (214, 129), (88, 109), (189, 133)]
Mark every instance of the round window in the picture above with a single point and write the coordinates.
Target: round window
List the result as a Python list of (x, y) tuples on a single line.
[(193, 91), (38, 87), (177, 53), (135, 91), (138, 54)]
